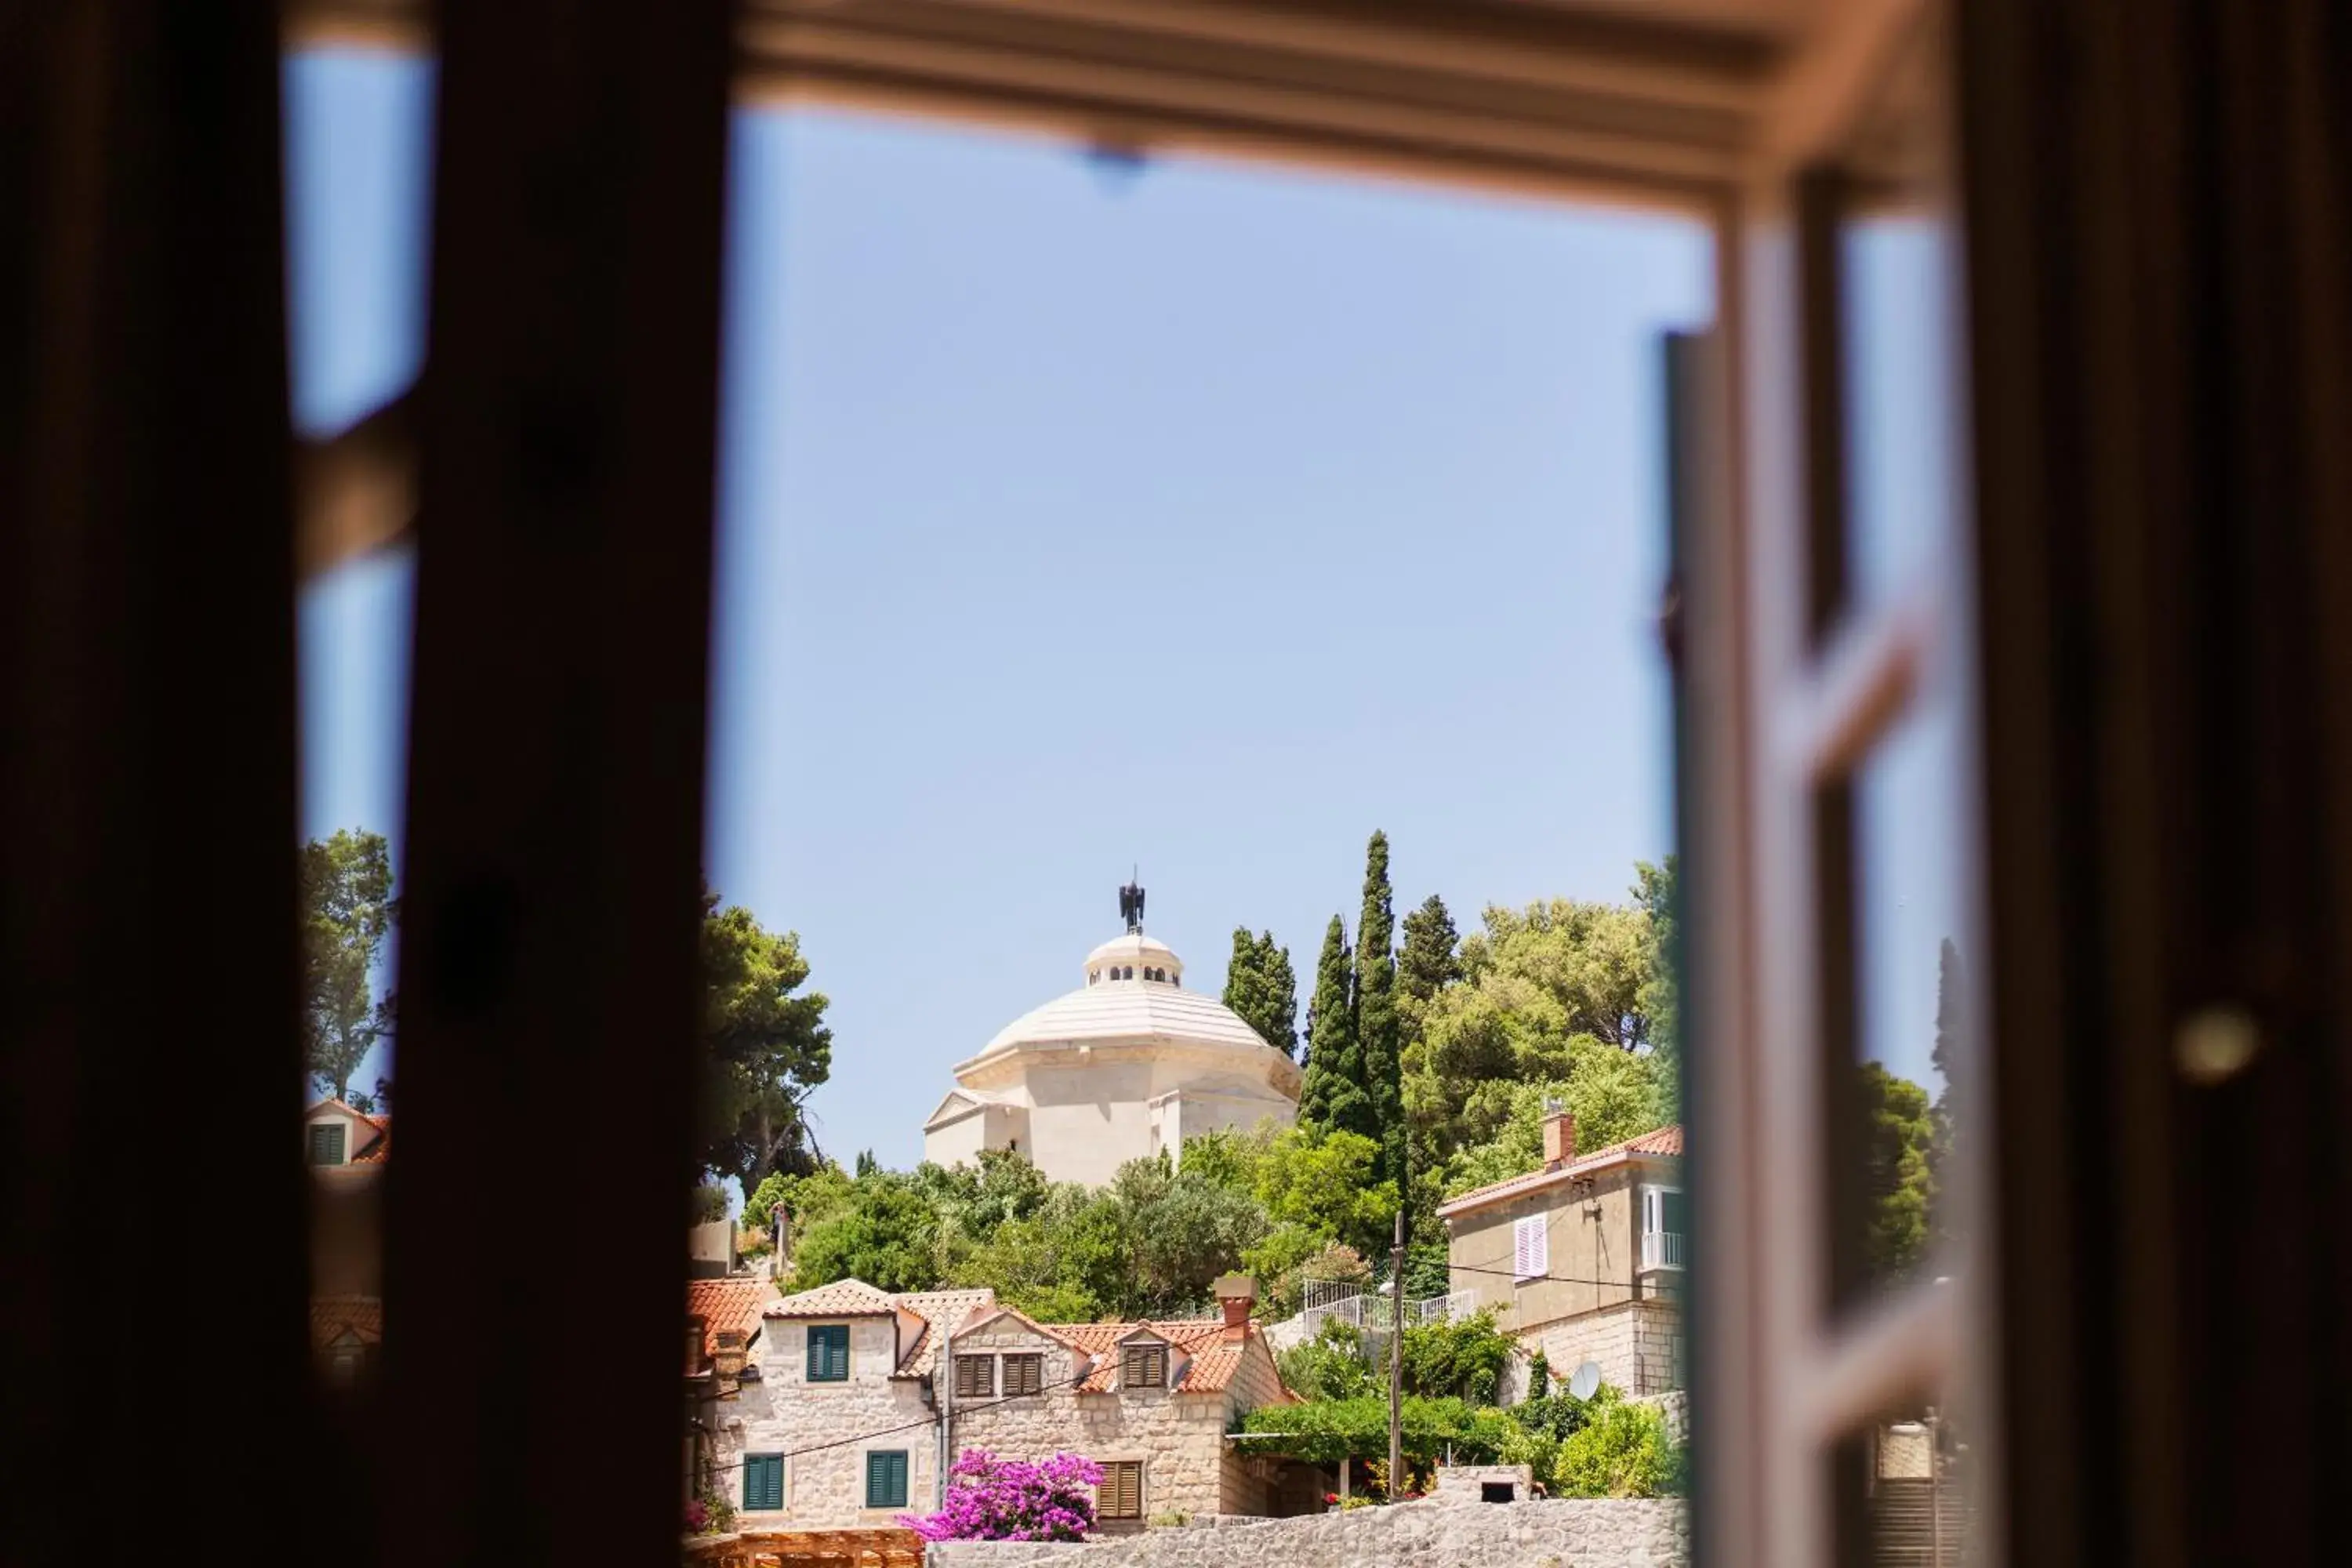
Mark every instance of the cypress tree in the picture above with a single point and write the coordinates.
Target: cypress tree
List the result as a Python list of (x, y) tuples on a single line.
[(1429, 960), (1378, 1044), (1261, 987), (1333, 1094)]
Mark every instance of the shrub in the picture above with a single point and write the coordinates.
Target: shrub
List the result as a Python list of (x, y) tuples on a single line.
[(1538, 1376), (1169, 1520), (709, 1514), (1332, 1366), (1462, 1359), (1622, 1450), (991, 1498)]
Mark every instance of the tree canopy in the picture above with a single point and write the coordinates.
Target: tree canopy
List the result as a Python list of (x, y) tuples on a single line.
[(765, 1046), (1261, 987), (347, 912), (1379, 1039)]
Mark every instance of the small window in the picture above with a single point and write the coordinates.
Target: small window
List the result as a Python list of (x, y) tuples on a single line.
[(1121, 1496), (1024, 1375), (975, 1376), (1664, 1227), (326, 1143), (1530, 1248), (763, 1481), (828, 1352), (885, 1477), (1144, 1366)]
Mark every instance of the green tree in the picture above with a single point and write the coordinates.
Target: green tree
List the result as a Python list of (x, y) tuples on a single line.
[(1429, 960), (1898, 1173), (1261, 987), (348, 910), (1333, 1092), (1332, 1365), (1657, 892), (886, 1235), (765, 1048), (1611, 1094), (1462, 1359), (1379, 1041), (1949, 1062)]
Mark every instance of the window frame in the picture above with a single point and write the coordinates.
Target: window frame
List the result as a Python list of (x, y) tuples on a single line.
[(1107, 1495), (905, 1476), (780, 1463), (1530, 1248), (1152, 1357), (811, 1363), (1654, 1197)]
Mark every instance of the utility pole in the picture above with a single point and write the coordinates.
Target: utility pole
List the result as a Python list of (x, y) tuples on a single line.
[(943, 1380), (1396, 1361)]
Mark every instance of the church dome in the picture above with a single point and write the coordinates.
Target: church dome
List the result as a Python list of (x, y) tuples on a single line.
[(1133, 992)]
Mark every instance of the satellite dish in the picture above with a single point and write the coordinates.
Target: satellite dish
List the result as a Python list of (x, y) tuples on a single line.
[(1585, 1382)]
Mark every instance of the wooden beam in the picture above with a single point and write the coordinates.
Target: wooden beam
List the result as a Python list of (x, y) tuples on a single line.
[(549, 984), (150, 1069)]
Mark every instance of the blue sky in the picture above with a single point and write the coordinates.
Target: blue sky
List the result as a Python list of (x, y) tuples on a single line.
[(1203, 520)]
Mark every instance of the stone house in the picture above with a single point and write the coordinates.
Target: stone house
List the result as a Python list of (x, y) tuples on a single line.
[(853, 1396), (723, 1327), (1583, 1258)]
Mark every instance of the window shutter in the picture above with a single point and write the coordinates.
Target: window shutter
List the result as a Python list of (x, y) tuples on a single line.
[(763, 1480), (326, 1143), (1024, 1375), (828, 1352), (975, 1376), (1540, 1252), (1144, 1366), (886, 1479), (1122, 1490)]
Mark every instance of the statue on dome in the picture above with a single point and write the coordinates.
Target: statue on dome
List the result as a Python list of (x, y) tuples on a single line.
[(1131, 906)]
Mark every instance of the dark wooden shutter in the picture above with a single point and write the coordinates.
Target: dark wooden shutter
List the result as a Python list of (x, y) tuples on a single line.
[(1025, 1374), (1121, 1494), (326, 1143), (975, 1376), (1145, 1367)]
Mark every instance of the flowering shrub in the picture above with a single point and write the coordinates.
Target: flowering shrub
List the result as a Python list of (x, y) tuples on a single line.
[(709, 1514), (991, 1498)]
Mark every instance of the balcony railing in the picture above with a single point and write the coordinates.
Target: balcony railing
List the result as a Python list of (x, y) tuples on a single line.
[(1661, 1249)]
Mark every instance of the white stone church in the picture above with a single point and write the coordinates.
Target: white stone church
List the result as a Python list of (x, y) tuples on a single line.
[(1125, 1066)]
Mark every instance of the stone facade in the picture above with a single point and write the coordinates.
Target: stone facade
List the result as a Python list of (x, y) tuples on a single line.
[(785, 1412), (1638, 1345), (901, 1386), (1565, 1533)]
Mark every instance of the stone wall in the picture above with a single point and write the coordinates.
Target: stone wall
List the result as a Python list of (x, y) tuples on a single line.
[(783, 1413), (1562, 1533), (1637, 1344)]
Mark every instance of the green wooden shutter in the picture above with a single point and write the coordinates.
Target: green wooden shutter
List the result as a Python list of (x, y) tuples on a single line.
[(828, 1352), (763, 1480), (886, 1479)]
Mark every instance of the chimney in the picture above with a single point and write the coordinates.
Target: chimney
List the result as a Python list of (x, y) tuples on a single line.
[(1558, 1135), (1236, 1293), (694, 1357), (732, 1351)]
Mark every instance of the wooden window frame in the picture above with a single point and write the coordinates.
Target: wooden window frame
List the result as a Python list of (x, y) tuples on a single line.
[(905, 1479), (819, 1353), (975, 1376), (782, 1466), (1144, 1366), (1107, 1501), (1025, 1374)]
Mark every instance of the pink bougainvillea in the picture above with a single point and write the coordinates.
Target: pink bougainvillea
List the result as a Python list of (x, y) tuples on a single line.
[(991, 1498)]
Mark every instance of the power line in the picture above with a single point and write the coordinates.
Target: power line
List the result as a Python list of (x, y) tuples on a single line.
[(931, 1420)]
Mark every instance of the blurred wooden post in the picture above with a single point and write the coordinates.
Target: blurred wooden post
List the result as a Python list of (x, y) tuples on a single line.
[(547, 986)]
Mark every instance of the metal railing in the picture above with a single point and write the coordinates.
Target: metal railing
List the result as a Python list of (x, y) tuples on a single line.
[(1661, 1249)]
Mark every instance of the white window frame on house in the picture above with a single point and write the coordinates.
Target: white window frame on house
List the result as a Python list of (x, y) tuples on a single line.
[(1660, 1247), (1530, 1248)]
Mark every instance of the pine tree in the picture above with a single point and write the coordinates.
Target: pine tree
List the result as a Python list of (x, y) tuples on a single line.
[(1429, 960), (1262, 988), (1333, 1094), (1379, 1043)]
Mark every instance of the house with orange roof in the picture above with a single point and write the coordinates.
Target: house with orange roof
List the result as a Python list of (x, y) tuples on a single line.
[(1581, 1258), (857, 1397), (723, 1326)]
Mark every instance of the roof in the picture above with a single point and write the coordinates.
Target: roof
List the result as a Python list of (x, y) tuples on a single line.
[(1135, 944), (842, 1299), (1661, 1143), (940, 1310), (1131, 1010), (333, 1316), (726, 1305), (1195, 1337)]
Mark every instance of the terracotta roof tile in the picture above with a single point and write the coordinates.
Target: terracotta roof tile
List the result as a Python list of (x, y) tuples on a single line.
[(842, 1299), (331, 1316), (1661, 1140), (940, 1310), (1101, 1340), (722, 1305), (376, 1152)]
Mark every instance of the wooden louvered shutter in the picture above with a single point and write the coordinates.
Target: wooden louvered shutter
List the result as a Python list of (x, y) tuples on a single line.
[(975, 1376), (1122, 1490), (763, 1480), (1025, 1374), (326, 1143)]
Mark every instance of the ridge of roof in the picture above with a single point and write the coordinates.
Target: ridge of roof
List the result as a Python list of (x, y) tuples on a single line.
[(841, 1299)]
